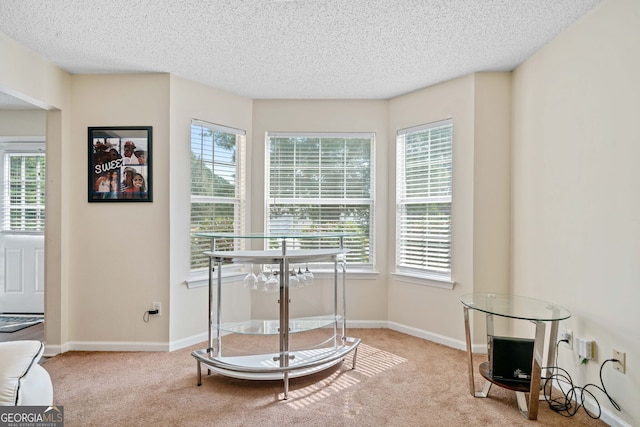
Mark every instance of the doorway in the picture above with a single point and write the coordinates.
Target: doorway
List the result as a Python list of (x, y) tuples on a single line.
[(22, 215)]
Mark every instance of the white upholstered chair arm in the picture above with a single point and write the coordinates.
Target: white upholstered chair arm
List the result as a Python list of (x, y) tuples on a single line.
[(23, 381)]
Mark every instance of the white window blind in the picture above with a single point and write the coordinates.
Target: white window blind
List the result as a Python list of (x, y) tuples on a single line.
[(24, 192), (217, 187), (423, 188), (322, 182)]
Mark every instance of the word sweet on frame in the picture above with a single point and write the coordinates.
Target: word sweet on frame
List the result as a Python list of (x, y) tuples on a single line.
[(120, 164)]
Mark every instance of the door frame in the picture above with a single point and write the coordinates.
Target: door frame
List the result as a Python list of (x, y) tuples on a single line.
[(23, 144)]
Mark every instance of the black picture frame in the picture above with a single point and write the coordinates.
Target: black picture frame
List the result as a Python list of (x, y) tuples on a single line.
[(120, 164)]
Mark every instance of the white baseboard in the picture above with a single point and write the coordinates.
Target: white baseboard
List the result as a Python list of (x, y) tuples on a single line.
[(117, 346), (189, 341), (52, 350), (367, 324), (437, 338)]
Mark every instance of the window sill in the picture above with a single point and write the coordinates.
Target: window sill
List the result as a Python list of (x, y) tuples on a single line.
[(351, 274), (22, 233), (424, 280)]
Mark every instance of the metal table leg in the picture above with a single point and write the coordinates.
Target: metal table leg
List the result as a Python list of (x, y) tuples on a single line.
[(472, 385), (531, 412)]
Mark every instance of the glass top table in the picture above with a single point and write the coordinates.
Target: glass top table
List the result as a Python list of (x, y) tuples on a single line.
[(288, 235), (515, 307), (293, 238)]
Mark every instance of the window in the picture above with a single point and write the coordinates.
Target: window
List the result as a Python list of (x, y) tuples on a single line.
[(423, 188), (24, 192), (322, 182), (217, 187)]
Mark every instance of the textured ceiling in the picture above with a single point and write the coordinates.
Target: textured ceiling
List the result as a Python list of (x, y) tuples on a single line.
[(292, 49)]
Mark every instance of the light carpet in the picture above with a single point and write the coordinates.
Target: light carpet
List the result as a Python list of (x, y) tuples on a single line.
[(399, 380)]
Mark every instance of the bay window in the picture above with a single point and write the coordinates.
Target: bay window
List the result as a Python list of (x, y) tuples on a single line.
[(322, 182), (423, 204), (217, 187)]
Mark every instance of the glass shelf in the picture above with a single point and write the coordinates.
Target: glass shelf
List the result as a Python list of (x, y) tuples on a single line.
[(272, 327), (267, 366), (273, 256), (295, 235)]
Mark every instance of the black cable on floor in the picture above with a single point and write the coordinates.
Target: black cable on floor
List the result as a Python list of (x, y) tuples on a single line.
[(564, 405)]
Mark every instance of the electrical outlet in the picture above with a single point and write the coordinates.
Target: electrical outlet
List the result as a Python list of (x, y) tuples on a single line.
[(566, 334), (621, 363), (156, 306), (585, 348)]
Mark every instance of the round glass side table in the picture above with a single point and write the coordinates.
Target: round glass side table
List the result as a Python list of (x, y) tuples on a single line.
[(536, 311)]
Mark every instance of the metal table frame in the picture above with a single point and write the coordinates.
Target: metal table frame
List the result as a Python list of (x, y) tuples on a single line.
[(211, 357)]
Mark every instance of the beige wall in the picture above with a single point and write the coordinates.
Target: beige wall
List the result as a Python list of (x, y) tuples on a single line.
[(30, 78), (576, 204), (479, 107), (492, 182), (435, 311), (366, 294), (116, 271), (189, 100), (23, 123)]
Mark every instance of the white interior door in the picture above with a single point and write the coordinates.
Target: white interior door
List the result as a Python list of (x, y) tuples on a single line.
[(23, 273)]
